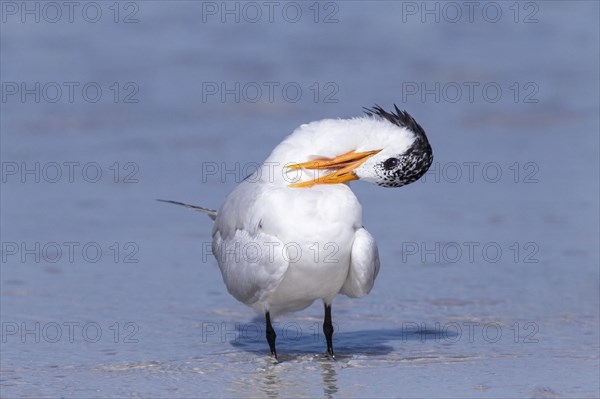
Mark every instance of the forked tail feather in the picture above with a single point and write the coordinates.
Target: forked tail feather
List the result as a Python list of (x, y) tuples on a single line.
[(210, 212)]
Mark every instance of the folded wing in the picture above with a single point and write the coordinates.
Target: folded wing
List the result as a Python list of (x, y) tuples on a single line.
[(364, 265), (252, 265)]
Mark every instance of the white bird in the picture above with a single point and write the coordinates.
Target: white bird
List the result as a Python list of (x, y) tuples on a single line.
[(292, 232)]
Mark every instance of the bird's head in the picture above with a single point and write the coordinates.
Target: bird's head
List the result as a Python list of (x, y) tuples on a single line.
[(394, 152)]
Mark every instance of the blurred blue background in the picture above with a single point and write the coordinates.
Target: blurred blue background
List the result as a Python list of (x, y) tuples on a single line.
[(107, 106)]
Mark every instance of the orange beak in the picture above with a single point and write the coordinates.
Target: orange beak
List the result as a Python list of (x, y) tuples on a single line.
[(344, 164)]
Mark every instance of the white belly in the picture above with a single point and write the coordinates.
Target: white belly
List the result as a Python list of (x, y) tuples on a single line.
[(308, 280), (318, 229), (314, 230)]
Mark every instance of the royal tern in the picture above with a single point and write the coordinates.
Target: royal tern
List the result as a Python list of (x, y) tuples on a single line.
[(292, 232)]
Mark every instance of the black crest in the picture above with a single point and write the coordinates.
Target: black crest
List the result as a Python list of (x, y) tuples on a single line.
[(412, 164), (399, 118)]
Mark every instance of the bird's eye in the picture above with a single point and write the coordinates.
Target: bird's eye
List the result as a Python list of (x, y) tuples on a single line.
[(390, 163)]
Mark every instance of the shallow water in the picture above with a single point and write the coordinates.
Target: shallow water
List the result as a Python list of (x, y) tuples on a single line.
[(489, 279)]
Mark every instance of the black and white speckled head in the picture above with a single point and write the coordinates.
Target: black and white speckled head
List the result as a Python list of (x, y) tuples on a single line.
[(396, 166), (389, 149)]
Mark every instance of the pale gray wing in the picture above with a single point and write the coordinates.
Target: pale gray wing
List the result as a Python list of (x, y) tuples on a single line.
[(364, 265), (252, 265)]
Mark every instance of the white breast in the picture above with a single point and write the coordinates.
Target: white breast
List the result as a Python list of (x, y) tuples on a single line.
[(307, 235)]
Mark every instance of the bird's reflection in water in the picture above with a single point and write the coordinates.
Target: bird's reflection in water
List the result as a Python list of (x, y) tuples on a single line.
[(263, 381), (330, 382), (270, 383), (278, 381)]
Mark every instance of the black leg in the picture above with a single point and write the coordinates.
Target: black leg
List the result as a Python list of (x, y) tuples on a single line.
[(328, 330), (271, 335)]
